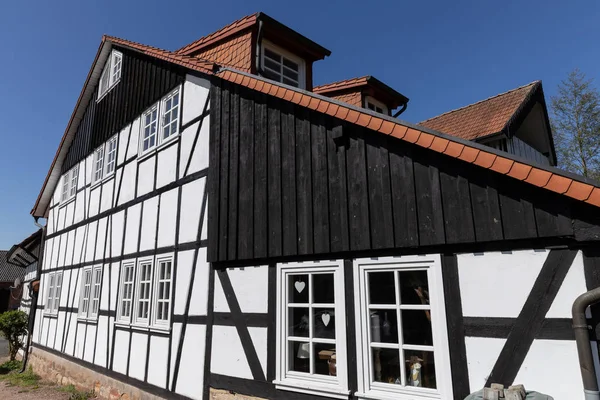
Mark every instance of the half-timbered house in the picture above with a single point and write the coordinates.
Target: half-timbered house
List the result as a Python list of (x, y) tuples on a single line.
[(217, 226)]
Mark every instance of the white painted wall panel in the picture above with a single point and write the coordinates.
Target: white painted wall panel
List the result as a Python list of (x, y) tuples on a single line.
[(149, 220), (62, 249), (101, 238), (195, 93), (127, 184), (482, 354), (132, 228), (60, 327), (117, 226), (484, 273), (251, 288), (137, 361), (175, 334), (70, 211), (122, 353), (198, 304), (114, 281), (145, 182), (70, 335), (572, 287), (204, 235), (135, 134), (94, 202), (100, 356), (70, 247), (79, 207), (167, 218), (167, 165), (158, 361), (200, 151), (79, 338), (90, 241), (219, 302), (183, 271), (90, 339), (191, 200), (122, 145), (107, 194), (60, 219), (552, 367), (186, 140), (227, 355), (51, 323), (191, 369), (80, 235)]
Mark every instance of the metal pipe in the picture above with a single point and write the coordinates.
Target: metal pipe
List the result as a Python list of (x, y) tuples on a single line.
[(400, 111), (582, 338)]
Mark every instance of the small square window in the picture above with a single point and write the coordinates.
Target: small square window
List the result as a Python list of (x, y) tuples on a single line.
[(375, 105)]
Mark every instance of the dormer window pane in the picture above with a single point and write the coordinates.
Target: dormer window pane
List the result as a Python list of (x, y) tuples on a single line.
[(111, 73)]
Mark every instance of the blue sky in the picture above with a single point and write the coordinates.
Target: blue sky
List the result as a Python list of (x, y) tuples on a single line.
[(440, 54)]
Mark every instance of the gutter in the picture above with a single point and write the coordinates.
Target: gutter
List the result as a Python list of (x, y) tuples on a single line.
[(582, 339)]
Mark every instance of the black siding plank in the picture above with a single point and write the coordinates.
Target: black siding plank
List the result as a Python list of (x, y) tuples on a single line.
[(303, 183), (429, 202), (224, 173), (338, 194), (486, 210), (274, 172), (404, 203), (232, 231), (518, 217), (358, 201), (213, 172), (288, 180), (380, 201), (261, 214), (246, 178), (320, 189), (458, 216)]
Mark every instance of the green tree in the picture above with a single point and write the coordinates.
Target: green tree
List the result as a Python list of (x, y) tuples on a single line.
[(576, 125), (13, 326)]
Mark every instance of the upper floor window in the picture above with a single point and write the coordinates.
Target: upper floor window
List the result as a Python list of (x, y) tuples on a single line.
[(111, 73), (105, 158), (311, 327), (282, 66), (401, 328), (69, 184), (375, 105), (53, 293), (160, 122)]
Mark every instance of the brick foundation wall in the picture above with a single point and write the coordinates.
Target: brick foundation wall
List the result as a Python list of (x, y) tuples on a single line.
[(64, 372)]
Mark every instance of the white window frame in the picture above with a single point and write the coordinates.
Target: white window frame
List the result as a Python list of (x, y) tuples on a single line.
[(69, 184), (122, 285), (136, 320), (95, 286), (53, 293), (284, 53), (109, 78), (376, 103), (336, 387), (160, 108), (383, 391), (102, 161), (156, 300)]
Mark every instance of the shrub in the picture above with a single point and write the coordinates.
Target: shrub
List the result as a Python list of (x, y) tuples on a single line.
[(13, 325)]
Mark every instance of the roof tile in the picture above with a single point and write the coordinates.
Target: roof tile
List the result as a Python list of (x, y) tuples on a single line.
[(454, 149), (386, 127), (594, 198), (538, 177), (375, 124), (579, 191), (502, 165), (364, 120), (425, 140), (484, 159), (399, 131), (412, 135), (439, 144), (469, 154), (519, 171), (558, 184), (352, 116)]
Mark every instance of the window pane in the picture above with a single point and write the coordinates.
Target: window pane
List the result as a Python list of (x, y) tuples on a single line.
[(384, 326), (323, 290), (420, 369), (290, 64), (271, 75), (298, 288), (386, 366), (414, 288), (324, 323), (272, 55), (290, 82), (272, 65), (299, 357), (416, 327), (382, 288), (290, 74), (298, 322), (324, 359)]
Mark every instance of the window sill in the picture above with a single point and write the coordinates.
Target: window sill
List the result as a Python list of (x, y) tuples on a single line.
[(93, 321), (100, 182), (312, 388), (166, 143), (48, 315), (404, 393), (143, 328), (64, 203)]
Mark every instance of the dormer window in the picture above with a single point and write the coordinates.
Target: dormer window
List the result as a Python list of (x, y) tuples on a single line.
[(111, 74), (282, 66), (375, 105)]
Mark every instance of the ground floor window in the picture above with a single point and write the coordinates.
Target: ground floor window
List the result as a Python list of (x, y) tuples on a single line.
[(91, 287), (312, 328), (401, 328), (53, 293)]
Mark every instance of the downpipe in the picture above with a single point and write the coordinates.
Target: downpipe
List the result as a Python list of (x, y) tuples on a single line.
[(582, 338)]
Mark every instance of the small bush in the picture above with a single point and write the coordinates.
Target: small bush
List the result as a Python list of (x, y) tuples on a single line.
[(27, 379), (10, 366), (75, 394), (13, 326)]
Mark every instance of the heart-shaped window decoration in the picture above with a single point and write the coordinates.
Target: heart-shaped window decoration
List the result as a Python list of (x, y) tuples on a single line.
[(325, 317), (299, 285)]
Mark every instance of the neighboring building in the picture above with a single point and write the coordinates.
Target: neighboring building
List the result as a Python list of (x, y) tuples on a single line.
[(10, 274), (25, 255), (211, 229)]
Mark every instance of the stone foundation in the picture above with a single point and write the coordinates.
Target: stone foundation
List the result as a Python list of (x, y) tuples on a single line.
[(64, 372), (218, 394)]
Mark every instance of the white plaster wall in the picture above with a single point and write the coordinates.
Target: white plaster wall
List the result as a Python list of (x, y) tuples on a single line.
[(121, 352), (191, 200), (158, 361), (137, 358), (149, 220), (167, 220), (228, 356), (167, 166), (481, 275), (482, 354), (250, 285), (572, 287), (199, 299), (184, 272), (145, 183), (195, 94), (191, 369)]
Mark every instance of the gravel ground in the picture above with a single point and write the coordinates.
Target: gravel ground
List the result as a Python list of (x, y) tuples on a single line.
[(45, 391)]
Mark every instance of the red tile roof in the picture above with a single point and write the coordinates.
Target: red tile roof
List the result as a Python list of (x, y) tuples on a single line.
[(341, 85), (484, 118), (235, 52)]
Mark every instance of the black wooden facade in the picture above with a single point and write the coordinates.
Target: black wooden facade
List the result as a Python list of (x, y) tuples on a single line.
[(289, 182), (144, 80)]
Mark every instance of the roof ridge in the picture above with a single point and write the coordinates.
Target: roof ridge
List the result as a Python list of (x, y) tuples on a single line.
[(342, 81), (482, 101), (215, 33)]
